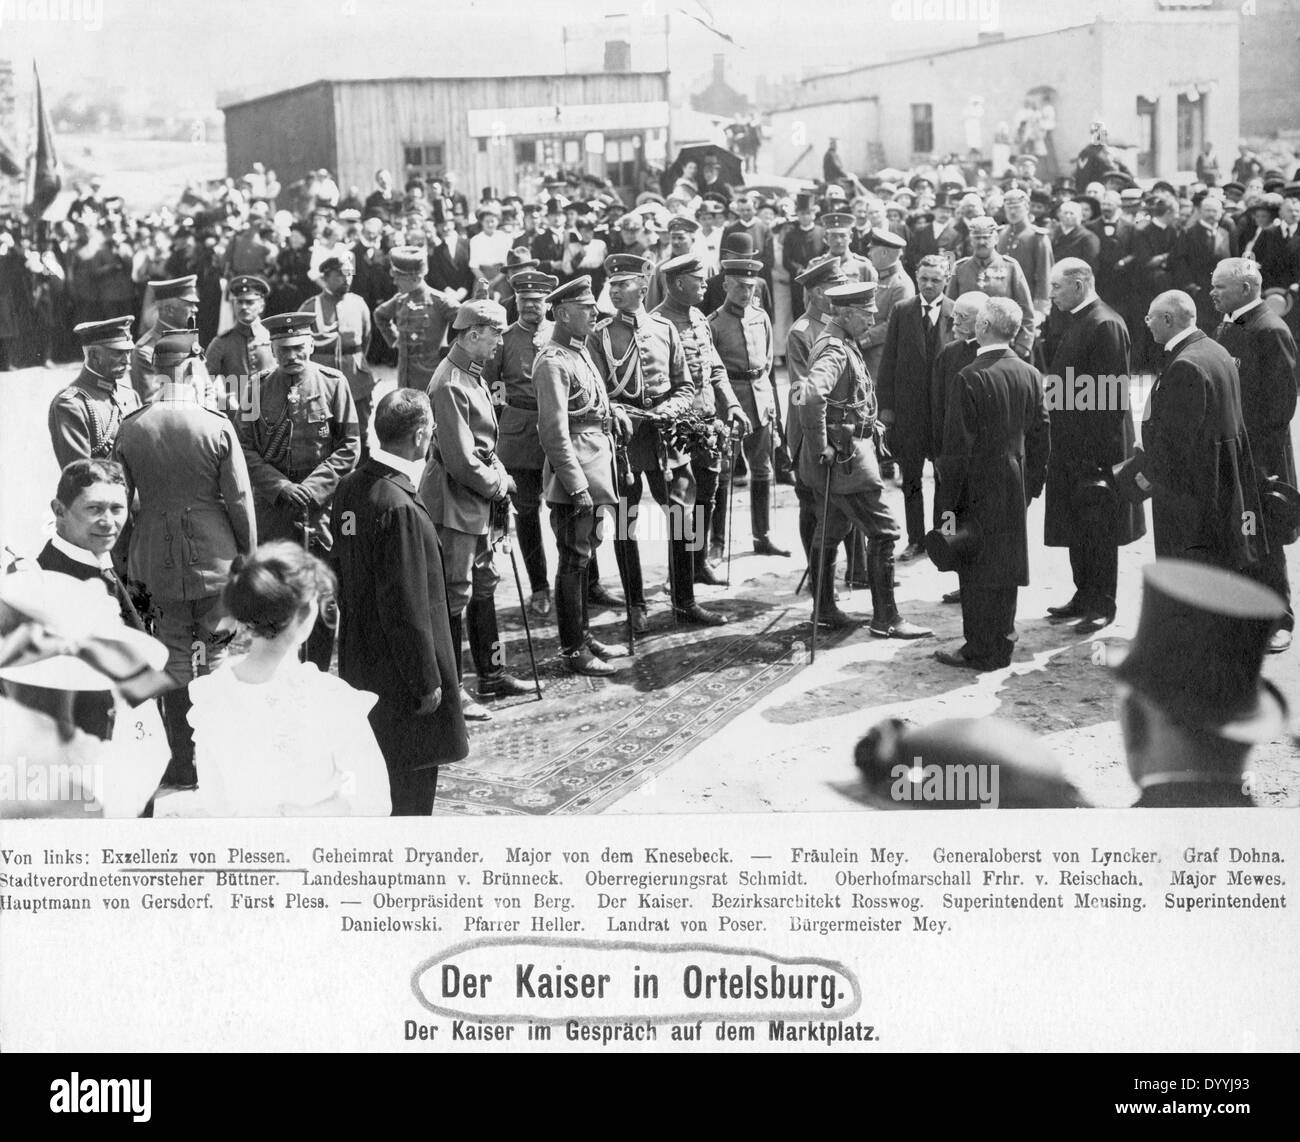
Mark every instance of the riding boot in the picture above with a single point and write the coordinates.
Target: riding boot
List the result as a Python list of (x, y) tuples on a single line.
[(484, 639), (570, 601), (180, 771), (822, 587), (458, 642), (628, 557), (760, 517), (886, 622)]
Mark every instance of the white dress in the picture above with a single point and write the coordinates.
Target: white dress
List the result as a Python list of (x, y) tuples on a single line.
[(299, 744)]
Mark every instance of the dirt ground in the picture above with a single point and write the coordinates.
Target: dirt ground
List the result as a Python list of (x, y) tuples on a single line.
[(792, 751)]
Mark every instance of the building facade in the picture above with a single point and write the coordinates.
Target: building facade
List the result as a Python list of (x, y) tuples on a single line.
[(494, 132), (1163, 84)]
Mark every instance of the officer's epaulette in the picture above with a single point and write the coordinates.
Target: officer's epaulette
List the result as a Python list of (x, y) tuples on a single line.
[(1044, 230), (332, 374), (262, 374), (135, 412), (603, 323)]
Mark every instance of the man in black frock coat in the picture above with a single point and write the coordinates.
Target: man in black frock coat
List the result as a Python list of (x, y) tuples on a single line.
[(1092, 431), (996, 443), (394, 630), (1265, 351), (1197, 457)]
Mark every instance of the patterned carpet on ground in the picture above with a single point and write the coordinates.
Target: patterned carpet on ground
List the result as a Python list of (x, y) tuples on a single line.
[(592, 741)]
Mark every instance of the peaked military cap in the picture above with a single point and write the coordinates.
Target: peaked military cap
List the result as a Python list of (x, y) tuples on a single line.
[(478, 312), (887, 238), (578, 290), (251, 283), (824, 271), (619, 266), (175, 347), (836, 220), (743, 269), (183, 289), (115, 333), (527, 283), (409, 260), (290, 326), (685, 264), (681, 222), (850, 294)]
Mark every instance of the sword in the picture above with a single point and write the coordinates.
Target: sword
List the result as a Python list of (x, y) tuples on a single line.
[(501, 517), (731, 491), (819, 584)]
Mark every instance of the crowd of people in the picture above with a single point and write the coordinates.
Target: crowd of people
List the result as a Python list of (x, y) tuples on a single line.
[(226, 477)]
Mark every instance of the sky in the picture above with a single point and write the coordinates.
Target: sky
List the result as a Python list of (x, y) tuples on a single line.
[(160, 53)]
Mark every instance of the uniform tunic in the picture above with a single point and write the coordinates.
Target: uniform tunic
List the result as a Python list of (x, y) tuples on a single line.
[(416, 324), (971, 274), (743, 339), (85, 417), (573, 424), (322, 442), (351, 318), (509, 380), (236, 354), (1031, 247)]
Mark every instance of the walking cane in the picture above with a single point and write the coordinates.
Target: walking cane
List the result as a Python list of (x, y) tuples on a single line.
[(818, 585), (306, 546), (802, 580), (731, 489), (502, 514)]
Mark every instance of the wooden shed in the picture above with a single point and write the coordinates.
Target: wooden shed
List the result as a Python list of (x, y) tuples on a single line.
[(497, 131)]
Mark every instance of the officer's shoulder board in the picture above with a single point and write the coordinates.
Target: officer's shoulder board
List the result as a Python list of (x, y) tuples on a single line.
[(603, 323), (331, 374), (1043, 230)]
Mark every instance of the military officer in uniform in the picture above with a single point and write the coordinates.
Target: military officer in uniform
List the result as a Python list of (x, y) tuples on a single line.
[(822, 273), (508, 375), (178, 308), (298, 428), (742, 333), (464, 485), (415, 318), (837, 413), (575, 429), (716, 402), (978, 272), (641, 359), (1030, 246), (194, 515), (244, 348), (838, 228), (84, 418), (343, 334)]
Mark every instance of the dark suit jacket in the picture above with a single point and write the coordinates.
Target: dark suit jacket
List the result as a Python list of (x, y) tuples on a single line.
[(1081, 243), (394, 630), (952, 359), (1265, 352), (996, 441), (1195, 254), (1092, 429), (1199, 461), (906, 365), (1114, 281), (921, 243), (449, 268), (1278, 258)]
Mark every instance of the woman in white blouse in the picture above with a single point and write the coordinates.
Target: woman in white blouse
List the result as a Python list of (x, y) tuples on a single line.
[(273, 736)]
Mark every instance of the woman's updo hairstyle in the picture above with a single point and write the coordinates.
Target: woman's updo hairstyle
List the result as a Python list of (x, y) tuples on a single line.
[(271, 589)]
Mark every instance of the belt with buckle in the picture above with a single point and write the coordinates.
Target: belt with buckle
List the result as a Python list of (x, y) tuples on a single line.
[(747, 374)]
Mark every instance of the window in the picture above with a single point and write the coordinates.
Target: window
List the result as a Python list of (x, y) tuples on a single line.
[(1191, 129), (622, 160), (525, 152), (922, 128), (1146, 138), (423, 160)]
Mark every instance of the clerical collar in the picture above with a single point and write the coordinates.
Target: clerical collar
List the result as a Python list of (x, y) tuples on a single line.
[(994, 347), (81, 555), (413, 470), (1236, 313), (1178, 338), (1087, 301)]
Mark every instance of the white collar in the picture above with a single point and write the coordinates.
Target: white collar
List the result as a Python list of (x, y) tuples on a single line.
[(1087, 301), (996, 346), (1236, 313), (411, 469), (935, 304), (1178, 338), (81, 555)]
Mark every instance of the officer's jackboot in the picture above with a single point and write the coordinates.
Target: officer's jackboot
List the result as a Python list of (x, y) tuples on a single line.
[(760, 517), (886, 622), (822, 586), (488, 654)]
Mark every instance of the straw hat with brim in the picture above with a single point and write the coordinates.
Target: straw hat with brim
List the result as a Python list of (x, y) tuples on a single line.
[(62, 633), (1279, 300), (1199, 647), (947, 549)]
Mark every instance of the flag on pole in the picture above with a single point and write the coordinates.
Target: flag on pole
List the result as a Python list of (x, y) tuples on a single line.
[(47, 174)]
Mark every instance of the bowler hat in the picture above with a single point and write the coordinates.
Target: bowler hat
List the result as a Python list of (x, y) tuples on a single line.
[(1094, 496), (1199, 646), (946, 549), (1281, 506)]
